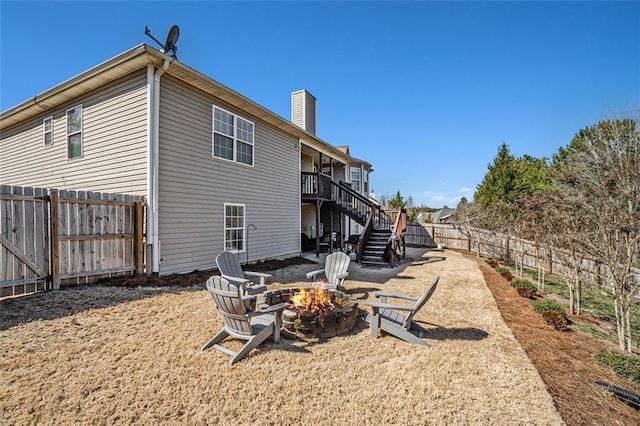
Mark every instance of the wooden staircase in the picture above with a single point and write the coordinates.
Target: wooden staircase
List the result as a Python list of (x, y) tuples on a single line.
[(373, 251), (378, 226)]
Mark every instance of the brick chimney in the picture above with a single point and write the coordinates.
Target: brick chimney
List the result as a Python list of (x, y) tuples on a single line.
[(303, 110)]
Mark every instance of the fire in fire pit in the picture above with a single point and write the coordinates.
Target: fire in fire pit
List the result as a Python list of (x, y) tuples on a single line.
[(316, 311), (315, 300)]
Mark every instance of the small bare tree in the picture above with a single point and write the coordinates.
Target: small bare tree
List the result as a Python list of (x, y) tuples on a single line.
[(600, 179), (472, 220), (566, 232)]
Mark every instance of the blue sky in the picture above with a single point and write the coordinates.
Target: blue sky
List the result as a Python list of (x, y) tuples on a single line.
[(425, 91)]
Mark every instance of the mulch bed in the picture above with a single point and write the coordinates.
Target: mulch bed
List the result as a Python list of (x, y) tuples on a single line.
[(565, 359), (196, 277)]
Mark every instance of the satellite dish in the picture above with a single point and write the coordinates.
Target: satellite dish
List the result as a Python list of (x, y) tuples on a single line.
[(172, 38), (170, 44)]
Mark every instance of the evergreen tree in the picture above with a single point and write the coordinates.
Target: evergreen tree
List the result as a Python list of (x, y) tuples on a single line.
[(397, 202), (497, 185)]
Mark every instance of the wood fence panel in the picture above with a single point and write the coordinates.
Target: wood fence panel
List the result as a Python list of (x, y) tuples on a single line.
[(113, 230), (24, 254), (120, 230), (417, 234), (129, 228), (6, 257), (49, 238), (507, 249), (41, 238), (99, 236), (96, 221)]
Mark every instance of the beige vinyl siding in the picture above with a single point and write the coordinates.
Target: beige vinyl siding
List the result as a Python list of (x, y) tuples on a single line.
[(306, 163), (339, 172), (297, 109), (114, 144), (194, 185), (308, 215), (303, 110)]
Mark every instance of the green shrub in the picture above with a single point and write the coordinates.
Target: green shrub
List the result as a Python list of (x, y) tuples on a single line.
[(593, 331), (544, 305), (521, 283), (625, 365)]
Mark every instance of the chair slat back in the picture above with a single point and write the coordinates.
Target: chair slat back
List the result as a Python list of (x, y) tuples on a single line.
[(420, 302), (226, 296), (335, 264), (229, 264)]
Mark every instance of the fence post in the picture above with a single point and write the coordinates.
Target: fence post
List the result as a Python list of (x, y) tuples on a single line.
[(433, 234), (138, 240), (55, 242), (469, 242)]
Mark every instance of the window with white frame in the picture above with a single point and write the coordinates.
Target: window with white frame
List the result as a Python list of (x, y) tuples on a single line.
[(355, 179), (47, 130), (232, 137), (234, 227), (74, 132)]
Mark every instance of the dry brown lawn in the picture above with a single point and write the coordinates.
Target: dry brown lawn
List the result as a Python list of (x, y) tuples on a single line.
[(114, 355)]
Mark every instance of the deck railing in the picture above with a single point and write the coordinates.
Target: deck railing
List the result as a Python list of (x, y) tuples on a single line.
[(316, 186)]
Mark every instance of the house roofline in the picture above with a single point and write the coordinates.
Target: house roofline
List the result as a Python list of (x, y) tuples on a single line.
[(139, 57), (75, 86)]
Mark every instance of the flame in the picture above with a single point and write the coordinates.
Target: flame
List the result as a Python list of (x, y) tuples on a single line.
[(313, 299)]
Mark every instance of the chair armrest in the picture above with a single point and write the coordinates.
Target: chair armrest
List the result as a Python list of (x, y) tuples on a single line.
[(242, 281), (343, 275), (248, 297), (258, 274), (379, 305), (314, 273), (263, 276), (268, 310), (255, 290), (383, 294)]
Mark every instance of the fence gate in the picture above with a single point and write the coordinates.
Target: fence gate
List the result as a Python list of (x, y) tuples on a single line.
[(417, 235), (24, 240)]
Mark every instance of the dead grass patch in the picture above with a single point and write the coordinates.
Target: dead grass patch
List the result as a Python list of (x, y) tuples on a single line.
[(113, 355)]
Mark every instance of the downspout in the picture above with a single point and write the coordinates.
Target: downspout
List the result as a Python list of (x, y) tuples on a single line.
[(153, 164)]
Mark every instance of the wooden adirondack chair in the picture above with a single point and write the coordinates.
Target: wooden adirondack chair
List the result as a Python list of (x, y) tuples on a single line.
[(229, 267), (388, 318), (336, 269), (253, 326)]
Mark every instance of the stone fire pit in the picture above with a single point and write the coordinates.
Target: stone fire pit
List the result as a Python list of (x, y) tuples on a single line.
[(315, 311)]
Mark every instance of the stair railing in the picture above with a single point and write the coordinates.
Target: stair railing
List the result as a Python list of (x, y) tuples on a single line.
[(352, 203), (355, 205), (364, 237)]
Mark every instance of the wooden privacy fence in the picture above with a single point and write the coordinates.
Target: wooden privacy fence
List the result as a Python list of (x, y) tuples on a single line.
[(531, 254), (418, 235), (24, 240), (53, 238)]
